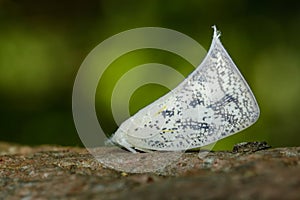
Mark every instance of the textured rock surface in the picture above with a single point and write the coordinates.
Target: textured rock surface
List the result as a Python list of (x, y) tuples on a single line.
[(49, 172)]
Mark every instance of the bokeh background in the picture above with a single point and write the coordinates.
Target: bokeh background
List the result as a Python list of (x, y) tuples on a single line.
[(43, 43)]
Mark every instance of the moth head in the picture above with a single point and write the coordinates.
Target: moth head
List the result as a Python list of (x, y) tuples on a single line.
[(119, 138)]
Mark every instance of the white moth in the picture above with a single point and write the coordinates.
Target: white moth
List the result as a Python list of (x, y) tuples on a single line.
[(213, 102)]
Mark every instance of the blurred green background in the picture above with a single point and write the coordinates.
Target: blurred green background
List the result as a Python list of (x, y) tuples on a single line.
[(43, 43)]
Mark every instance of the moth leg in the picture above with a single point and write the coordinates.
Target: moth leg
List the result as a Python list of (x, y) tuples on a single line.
[(143, 150), (131, 149)]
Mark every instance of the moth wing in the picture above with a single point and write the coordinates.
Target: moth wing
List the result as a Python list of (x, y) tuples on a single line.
[(213, 102)]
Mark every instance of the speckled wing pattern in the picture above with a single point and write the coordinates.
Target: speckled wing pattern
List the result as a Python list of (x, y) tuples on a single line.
[(213, 102)]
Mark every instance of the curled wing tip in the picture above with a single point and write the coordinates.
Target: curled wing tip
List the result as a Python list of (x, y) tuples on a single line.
[(217, 33)]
